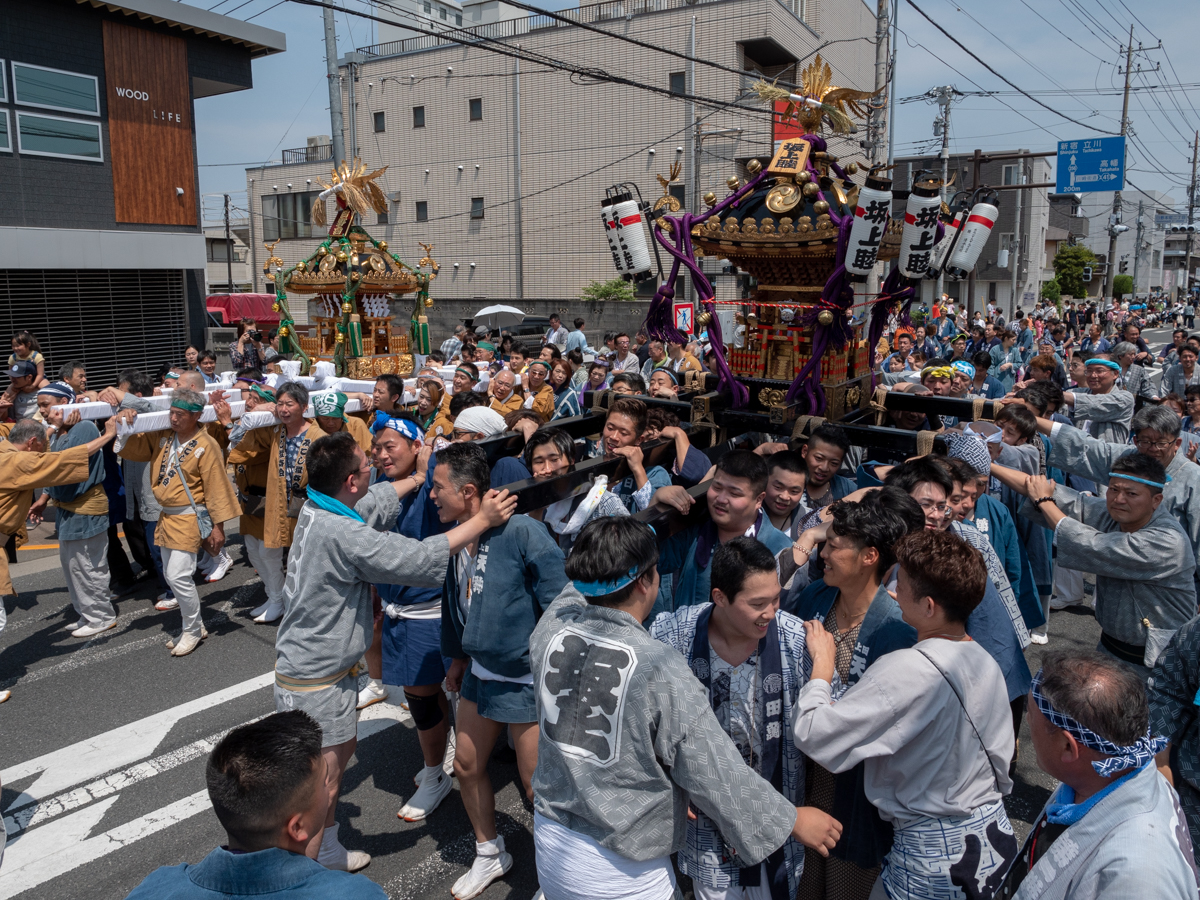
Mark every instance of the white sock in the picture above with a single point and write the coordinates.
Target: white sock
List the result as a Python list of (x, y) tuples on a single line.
[(490, 848), (331, 847), (374, 685), (432, 772)]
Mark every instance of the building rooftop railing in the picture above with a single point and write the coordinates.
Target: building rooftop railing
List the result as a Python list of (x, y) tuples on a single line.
[(592, 13), (318, 153)]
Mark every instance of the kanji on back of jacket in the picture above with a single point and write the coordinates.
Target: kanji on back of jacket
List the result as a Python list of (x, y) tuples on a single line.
[(810, 235)]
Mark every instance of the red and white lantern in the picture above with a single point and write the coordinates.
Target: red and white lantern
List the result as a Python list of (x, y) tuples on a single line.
[(942, 248), (631, 238), (610, 232), (970, 243), (871, 217)]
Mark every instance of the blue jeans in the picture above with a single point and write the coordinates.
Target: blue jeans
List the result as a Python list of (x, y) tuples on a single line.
[(156, 552)]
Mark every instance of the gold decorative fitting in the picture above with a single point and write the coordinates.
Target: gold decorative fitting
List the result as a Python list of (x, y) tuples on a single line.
[(354, 276), (356, 187), (766, 226), (275, 306), (771, 397), (383, 246), (302, 265), (354, 260), (825, 317), (342, 256), (783, 197), (339, 338), (667, 200), (347, 308), (704, 319), (732, 226), (810, 190), (321, 251), (821, 207), (710, 199), (786, 225), (804, 177), (852, 169), (733, 182), (749, 226), (754, 167), (284, 331), (270, 276), (429, 301)]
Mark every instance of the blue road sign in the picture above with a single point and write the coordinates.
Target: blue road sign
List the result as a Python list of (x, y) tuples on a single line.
[(1097, 164)]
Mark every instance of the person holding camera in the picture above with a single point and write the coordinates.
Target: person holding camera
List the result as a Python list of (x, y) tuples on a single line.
[(247, 351)]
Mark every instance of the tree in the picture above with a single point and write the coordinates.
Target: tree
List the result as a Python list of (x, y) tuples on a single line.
[(617, 289), (1069, 263), (1051, 291), (1122, 285)]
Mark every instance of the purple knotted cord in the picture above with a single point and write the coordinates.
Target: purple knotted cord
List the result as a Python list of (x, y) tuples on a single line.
[(896, 287)]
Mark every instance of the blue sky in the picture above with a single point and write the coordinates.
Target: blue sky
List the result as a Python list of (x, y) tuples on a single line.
[(1064, 46)]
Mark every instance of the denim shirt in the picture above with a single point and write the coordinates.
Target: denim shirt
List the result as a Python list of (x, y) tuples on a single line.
[(223, 875)]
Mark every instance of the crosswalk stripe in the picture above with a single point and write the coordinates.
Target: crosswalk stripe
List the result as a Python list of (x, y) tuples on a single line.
[(61, 845)]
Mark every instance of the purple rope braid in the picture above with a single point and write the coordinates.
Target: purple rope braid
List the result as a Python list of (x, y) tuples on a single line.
[(895, 288)]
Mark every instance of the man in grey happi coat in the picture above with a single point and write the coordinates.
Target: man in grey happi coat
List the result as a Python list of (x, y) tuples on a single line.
[(1103, 410), (343, 545), (628, 736), (1113, 829), (1156, 432), (1142, 558)]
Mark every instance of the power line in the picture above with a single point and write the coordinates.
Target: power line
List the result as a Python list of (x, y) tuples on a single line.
[(973, 56)]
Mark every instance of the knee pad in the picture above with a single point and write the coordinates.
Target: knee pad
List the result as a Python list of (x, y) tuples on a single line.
[(426, 711)]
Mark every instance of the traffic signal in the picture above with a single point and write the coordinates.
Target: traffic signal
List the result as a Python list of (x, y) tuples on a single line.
[(1124, 267), (1183, 229), (1087, 273)]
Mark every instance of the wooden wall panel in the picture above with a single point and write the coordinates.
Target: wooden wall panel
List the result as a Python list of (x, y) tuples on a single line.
[(149, 126)]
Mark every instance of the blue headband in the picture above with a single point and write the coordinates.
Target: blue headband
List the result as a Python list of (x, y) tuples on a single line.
[(1120, 758), (667, 372), (403, 427), (964, 367), (1153, 484), (1103, 362), (604, 588)]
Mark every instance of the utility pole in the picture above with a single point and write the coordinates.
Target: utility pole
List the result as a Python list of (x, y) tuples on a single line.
[(335, 89), (941, 126), (891, 89), (228, 251), (877, 123), (517, 175), (1015, 250), (696, 144), (1187, 259), (1137, 247), (1115, 219)]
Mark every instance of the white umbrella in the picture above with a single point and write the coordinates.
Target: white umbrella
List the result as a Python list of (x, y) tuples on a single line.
[(499, 317)]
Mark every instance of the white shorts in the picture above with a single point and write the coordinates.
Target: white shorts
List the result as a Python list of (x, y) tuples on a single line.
[(572, 866)]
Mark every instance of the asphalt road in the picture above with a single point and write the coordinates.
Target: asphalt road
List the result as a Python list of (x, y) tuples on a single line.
[(105, 740)]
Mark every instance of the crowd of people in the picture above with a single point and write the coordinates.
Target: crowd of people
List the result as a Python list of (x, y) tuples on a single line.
[(810, 687)]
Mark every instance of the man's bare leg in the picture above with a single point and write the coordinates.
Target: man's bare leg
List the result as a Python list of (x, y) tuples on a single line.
[(326, 848), (476, 736)]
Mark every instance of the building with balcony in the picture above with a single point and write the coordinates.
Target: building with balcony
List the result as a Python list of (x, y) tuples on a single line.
[(502, 166), (1010, 271), (1143, 259), (101, 250), (228, 258)]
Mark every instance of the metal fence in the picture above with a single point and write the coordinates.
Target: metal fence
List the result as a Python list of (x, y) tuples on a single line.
[(317, 153)]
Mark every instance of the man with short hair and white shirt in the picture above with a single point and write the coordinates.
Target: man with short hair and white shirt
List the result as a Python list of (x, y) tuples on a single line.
[(556, 334), (626, 360)]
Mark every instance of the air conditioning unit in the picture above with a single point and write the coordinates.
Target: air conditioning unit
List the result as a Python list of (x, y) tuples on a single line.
[(319, 140)]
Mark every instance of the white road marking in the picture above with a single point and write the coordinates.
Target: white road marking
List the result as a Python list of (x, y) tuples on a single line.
[(49, 850), (87, 759), (29, 863)]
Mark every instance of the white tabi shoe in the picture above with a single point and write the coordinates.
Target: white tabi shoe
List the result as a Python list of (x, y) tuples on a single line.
[(259, 610), (333, 855), (433, 790), (371, 693), (87, 631), (171, 643), (484, 871), (221, 566), (273, 611)]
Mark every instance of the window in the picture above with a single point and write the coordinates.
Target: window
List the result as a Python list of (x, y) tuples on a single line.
[(458, 19), (5, 140), (476, 207), (679, 192), (217, 251), (442, 11), (1157, 259), (422, 211), (55, 89), (418, 117), (288, 215), (3, 82), (378, 119), (1006, 241), (1012, 174), (476, 107), (383, 219), (428, 8), (678, 82), (56, 136)]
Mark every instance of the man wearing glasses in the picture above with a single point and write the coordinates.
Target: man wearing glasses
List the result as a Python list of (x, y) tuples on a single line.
[(1156, 433)]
